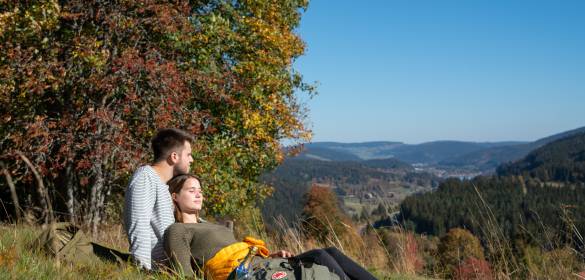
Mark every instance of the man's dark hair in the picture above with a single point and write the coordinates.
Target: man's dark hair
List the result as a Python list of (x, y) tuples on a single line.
[(168, 140)]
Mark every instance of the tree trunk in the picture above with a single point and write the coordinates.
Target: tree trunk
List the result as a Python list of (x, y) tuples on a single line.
[(70, 194), (101, 201), (10, 183), (94, 202)]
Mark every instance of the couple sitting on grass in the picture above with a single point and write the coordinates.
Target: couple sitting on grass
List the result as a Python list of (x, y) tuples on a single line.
[(161, 215)]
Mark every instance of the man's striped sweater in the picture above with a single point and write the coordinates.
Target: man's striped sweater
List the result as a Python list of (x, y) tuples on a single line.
[(148, 212)]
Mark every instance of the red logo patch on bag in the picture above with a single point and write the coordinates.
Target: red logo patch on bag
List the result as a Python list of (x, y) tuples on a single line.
[(278, 275)]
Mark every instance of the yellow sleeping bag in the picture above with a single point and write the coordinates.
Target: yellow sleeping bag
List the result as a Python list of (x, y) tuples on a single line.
[(228, 258)]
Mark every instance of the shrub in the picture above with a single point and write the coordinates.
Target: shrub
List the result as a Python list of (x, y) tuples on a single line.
[(473, 268), (457, 246), (404, 252), (322, 217), (550, 264)]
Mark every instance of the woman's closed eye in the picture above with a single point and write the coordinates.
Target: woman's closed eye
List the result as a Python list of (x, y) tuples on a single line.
[(196, 191)]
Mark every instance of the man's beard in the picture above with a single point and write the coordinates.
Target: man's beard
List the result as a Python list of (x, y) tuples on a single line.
[(180, 170)]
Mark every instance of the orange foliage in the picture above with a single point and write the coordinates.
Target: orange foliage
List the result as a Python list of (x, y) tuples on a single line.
[(85, 84), (322, 217)]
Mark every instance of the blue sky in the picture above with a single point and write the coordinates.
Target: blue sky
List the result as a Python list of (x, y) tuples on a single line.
[(416, 71)]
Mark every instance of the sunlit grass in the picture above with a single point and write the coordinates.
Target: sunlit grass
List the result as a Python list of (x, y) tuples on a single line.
[(18, 260)]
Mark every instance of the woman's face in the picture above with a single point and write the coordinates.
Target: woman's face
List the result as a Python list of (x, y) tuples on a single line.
[(190, 198)]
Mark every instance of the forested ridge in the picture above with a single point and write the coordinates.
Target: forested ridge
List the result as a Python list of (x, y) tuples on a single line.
[(562, 162), (536, 201)]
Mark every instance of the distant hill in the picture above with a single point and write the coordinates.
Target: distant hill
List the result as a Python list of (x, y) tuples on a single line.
[(488, 159), (437, 151), (482, 157), (363, 151), (387, 163), (327, 154), (426, 153), (558, 136), (562, 160)]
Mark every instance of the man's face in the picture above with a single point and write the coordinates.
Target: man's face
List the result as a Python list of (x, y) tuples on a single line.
[(184, 161)]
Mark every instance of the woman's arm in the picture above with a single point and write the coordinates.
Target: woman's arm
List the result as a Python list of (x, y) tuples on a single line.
[(281, 254)]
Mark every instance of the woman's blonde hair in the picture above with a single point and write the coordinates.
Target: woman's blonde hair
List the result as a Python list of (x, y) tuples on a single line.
[(175, 186)]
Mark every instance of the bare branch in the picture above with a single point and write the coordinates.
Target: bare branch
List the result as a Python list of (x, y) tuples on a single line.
[(10, 183), (45, 201)]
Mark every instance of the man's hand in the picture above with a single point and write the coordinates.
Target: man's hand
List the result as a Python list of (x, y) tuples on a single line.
[(281, 254)]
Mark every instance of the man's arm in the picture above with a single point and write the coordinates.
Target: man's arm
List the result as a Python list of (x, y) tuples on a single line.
[(138, 211)]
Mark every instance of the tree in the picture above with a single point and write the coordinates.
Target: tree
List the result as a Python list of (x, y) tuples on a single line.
[(365, 215), (322, 216), (457, 246), (85, 84), (380, 210)]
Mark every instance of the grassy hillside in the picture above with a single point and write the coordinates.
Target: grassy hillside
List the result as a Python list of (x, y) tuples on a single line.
[(387, 253), (19, 261)]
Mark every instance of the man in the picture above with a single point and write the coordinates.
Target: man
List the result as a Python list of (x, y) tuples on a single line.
[(148, 208)]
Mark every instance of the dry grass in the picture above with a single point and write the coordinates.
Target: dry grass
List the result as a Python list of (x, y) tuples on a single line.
[(388, 254), (534, 262), (18, 261), (366, 249), (112, 235)]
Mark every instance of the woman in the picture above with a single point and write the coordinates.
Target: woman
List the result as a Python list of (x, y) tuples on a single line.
[(193, 243)]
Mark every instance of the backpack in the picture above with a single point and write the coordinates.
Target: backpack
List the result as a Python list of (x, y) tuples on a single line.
[(65, 241), (283, 269)]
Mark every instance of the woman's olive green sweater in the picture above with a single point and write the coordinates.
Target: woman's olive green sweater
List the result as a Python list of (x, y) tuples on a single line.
[(198, 242)]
